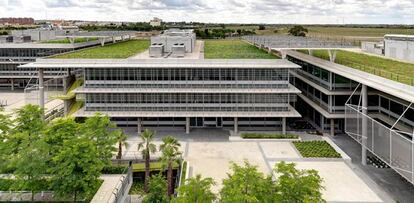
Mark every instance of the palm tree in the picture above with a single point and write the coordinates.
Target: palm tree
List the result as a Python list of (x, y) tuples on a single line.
[(147, 147), (121, 137), (170, 156)]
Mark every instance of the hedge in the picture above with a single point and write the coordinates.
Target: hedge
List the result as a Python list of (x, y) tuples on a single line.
[(268, 136), (318, 149)]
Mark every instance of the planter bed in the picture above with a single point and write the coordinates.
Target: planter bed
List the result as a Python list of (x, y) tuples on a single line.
[(268, 136), (316, 149)]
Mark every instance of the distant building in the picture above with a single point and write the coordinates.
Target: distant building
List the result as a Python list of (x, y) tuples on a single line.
[(16, 21), (373, 47), (155, 22), (399, 47)]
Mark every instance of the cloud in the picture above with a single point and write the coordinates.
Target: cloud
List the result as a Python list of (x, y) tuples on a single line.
[(237, 11)]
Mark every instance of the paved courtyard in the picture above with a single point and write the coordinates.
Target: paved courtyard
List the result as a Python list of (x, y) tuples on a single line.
[(209, 153)]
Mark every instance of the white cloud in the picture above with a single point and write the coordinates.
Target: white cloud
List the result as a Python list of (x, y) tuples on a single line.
[(226, 11)]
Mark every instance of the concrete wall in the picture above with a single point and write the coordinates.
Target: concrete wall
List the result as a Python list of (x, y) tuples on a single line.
[(36, 35), (402, 50), (372, 47)]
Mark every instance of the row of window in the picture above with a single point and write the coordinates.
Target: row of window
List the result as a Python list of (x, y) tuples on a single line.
[(183, 74)]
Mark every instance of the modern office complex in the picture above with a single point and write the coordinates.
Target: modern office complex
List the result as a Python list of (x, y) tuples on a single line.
[(375, 111), (187, 93)]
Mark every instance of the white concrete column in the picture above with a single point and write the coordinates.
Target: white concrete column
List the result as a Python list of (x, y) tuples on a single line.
[(65, 90), (41, 89), (102, 41), (364, 95), (283, 54), (187, 125), (332, 55), (139, 123), (284, 125), (332, 127), (12, 84), (236, 125), (310, 51), (269, 50), (113, 40)]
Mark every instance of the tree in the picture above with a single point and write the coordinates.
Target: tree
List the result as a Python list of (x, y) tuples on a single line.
[(197, 190), (147, 147), (262, 27), (296, 185), (246, 184), (122, 138), (170, 156), (76, 168), (157, 190), (5, 124), (298, 30), (58, 131), (101, 130)]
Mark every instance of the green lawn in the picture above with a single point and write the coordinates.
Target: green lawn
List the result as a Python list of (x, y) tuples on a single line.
[(66, 41), (154, 166), (387, 68), (118, 51), (316, 149), (268, 136), (233, 49)]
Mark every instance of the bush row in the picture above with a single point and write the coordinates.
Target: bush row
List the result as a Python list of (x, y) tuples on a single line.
[(318, 149), (268, 136)]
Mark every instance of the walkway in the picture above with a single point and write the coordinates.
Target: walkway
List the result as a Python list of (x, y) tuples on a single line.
[(386, 179), (104, 194)]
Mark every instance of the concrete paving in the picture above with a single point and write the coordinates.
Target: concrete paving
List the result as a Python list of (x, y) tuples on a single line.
[(387, 180), (210, 152), (104, 193)]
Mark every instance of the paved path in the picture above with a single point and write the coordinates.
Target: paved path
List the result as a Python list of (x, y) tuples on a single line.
[(104, 194)]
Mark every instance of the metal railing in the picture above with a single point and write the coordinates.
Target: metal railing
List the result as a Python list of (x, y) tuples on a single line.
[(121, 190)]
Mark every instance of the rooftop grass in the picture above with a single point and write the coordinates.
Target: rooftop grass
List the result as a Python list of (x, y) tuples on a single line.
[(119, 50), (233, 49), (316, 149), (66, 41), (387, 68)]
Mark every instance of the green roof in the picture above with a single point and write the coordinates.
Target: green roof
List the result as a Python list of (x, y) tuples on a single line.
[(233, 49), (387, 68), (117, 51)]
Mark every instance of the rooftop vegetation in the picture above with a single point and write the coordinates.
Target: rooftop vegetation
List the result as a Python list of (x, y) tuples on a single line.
[(66, 41), (117, 51), (387, 68), (233, 49), (268, 136)]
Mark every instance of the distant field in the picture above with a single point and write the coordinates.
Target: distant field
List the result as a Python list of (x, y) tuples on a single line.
[(387, 68), (119, 50), (66, 41), (233, 49)]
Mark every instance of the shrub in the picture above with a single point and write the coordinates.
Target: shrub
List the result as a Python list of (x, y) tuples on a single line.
[(316, 149), (120, 169), (268, 136)]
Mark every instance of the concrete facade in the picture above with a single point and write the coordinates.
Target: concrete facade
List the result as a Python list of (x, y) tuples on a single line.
[(399, 47)]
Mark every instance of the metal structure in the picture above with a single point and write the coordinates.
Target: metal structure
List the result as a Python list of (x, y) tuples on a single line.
[(292, 42), (394, 147)]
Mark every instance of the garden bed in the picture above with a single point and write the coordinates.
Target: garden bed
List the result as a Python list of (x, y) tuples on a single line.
[(268, 136), (316, 149)]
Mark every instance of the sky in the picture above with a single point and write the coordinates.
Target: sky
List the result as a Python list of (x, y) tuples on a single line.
[(218, 11)]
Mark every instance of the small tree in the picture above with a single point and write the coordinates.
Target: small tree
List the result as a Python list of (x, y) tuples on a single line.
[(76, 168), (29, 119), (246, 184), (197, 190), (122, 138), (262, 27), (298, 30), (5, 124), (298, 185), (101, 130), (58, 131), (170, 156), (157, 190), (147, 147)]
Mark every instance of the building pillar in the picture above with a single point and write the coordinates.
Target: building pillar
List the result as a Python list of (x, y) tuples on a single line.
[(113, 40), (284, 125), (41, 90), (236, 125), (187, 125), (12, 84), (102, 41), (139, 123), (65, 90), (332, 55), (310, 51), (269, 50), (332, 127), (283, 54), (364, 95)]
